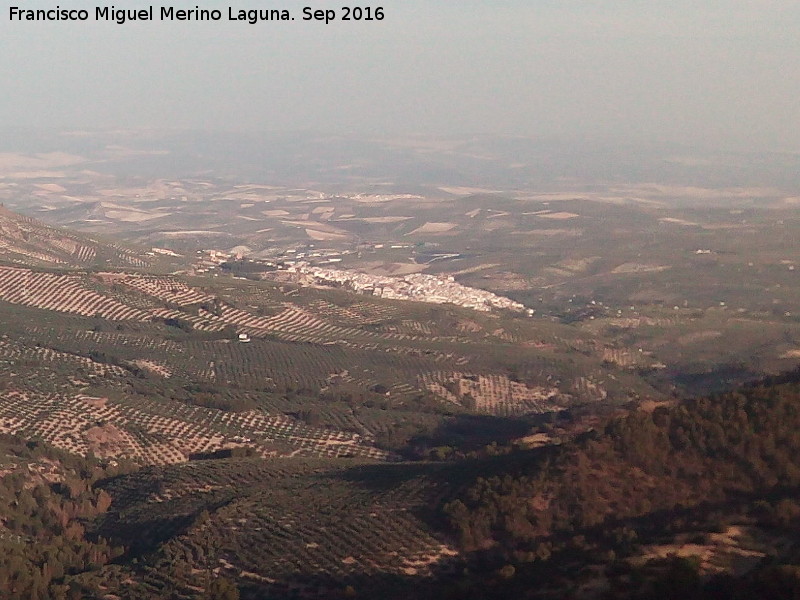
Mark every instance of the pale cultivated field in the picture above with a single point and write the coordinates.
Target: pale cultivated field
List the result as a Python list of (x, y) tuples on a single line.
[(326, 236), (549, 232), (378, 220), (632, 267), (51, 187), (559, 216), (391, 268), (678, 221), (133, 216), (433, 228), (467, 191), (11, 162)]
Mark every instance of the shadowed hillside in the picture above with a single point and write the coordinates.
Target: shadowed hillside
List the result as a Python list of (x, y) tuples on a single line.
[(694, 501)]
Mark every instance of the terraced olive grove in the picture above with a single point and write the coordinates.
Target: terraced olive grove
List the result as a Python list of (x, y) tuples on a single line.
[(244, 402)]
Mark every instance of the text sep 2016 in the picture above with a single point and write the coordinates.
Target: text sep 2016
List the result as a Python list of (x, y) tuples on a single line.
[(169, 13)]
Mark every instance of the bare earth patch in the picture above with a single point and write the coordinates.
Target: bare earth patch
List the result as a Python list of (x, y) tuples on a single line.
[(92, 401), (433, 228), (391, 268), (106, 441), (558, 216), (632, 267), (466, 191), (679, 221), (325, 236), (51, 187), (550, 232), (737, 550)]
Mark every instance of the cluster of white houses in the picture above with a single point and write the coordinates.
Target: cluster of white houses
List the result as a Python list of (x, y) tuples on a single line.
[(417, 286)]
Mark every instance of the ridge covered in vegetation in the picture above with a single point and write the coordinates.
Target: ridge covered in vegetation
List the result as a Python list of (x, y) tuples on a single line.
[(47, 498), (597, 507), (698, 500)]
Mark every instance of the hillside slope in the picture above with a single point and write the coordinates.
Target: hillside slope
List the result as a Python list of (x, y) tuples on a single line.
[(29, 242), (697, 501), (672, 503)]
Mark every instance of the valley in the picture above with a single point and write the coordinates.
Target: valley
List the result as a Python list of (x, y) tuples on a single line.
[(346, 387)]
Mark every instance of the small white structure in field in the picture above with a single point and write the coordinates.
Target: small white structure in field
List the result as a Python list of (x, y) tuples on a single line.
[(243, 337)]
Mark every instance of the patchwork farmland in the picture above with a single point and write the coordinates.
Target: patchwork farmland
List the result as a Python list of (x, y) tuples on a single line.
[(263, 421), (317, 373)]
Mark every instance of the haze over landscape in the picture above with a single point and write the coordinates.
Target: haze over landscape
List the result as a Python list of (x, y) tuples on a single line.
[(719, 74), (414, 301)]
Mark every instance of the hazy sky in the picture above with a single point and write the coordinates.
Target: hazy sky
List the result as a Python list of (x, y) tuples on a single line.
[(711, 72)]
